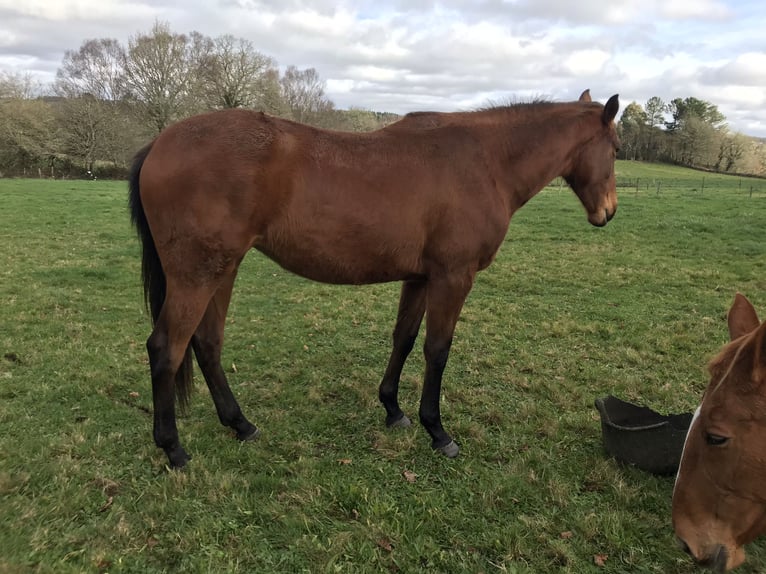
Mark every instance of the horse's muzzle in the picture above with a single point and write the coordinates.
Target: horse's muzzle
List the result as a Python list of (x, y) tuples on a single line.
[(716, 560), (601, 218)]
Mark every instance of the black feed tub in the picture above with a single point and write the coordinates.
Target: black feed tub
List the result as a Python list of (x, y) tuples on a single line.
[(642, 437)]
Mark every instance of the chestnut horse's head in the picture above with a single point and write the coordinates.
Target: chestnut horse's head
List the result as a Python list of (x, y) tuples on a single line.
[(591, 174), (719, 500)]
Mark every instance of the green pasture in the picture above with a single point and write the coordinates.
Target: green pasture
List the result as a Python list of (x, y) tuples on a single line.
[(566, 314)]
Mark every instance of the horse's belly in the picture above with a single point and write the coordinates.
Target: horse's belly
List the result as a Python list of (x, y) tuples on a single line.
[(346, 265)]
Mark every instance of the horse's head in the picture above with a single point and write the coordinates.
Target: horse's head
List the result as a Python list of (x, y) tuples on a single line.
[(591, 172), (719, 500)]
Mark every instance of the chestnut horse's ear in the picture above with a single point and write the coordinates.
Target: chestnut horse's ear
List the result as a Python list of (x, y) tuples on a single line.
[(759, 357), (610, 109), (742, 317), (585, 97)]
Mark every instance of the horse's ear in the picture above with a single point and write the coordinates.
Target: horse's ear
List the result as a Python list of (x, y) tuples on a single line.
[(742, 317), (610, 109), (759, 357), (585, 97)]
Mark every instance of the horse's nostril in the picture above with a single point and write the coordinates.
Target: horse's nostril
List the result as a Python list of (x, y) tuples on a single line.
[(720, 559)]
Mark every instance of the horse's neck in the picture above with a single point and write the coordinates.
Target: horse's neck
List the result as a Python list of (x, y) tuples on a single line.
[(536, 152)]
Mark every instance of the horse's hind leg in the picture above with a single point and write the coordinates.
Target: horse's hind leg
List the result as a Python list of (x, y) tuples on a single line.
[(167, 347), (207, 343), (412, 306)]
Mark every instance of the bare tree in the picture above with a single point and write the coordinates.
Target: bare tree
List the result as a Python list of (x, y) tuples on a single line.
[(95, 69), (18, 86), (303, 92), (361, 120), (158, 69), (91, 115), (233, 74), (731, 149), (271, 95), (753, 159), (27, 134)]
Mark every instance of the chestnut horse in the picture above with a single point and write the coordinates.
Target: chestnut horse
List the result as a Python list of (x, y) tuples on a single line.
[(719, 499), (428, 205)]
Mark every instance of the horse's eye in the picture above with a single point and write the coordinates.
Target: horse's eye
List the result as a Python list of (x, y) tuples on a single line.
[(716, 440)]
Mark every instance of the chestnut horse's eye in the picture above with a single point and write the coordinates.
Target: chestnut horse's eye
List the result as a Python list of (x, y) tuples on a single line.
[(716, 440)]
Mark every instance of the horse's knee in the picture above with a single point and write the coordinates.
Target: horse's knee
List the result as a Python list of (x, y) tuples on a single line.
[(404, 342), (436, 354)]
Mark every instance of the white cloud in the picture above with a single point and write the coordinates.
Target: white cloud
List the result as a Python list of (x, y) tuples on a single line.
[(79, 10), (705, 9), (586, 62), (744, 97), (403, 55), (375, 73), (748, 69)]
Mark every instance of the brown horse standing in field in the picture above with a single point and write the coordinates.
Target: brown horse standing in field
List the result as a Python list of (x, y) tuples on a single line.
[(719, 500), (426, 201)]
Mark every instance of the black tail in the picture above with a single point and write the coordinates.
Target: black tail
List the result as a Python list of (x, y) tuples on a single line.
[(151, 271)]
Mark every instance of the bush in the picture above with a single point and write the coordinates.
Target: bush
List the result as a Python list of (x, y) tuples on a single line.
[(110, 171)]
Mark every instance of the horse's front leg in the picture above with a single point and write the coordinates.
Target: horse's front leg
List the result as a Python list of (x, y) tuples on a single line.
[(445, 298), (412, 306)]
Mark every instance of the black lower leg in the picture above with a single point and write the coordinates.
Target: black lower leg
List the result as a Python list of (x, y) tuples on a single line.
[(409, 317), (229, 412), (163, 395), (389, 388), (446, 295), (430, 413), (227, 407)]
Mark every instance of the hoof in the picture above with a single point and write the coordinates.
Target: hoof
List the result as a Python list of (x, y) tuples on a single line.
[(400, 423), (177, 458), (450, 450), (250, 434)]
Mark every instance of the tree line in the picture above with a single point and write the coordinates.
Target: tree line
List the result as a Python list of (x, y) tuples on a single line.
[(108, 99), (690, 132)]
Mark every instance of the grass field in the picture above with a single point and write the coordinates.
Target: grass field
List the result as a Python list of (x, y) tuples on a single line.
[(566, 314)]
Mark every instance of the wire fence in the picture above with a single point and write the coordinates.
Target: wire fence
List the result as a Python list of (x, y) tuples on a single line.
[(708, 183), (703, 184)]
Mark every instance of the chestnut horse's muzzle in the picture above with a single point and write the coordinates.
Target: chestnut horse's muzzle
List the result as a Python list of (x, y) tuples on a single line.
[(716, 561), (601, 218)]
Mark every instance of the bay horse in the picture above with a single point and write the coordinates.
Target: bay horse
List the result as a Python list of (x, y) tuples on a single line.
[(426, 201), (719, 498)]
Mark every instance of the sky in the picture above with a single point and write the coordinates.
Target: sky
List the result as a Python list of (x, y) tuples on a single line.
[(407, 55)]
